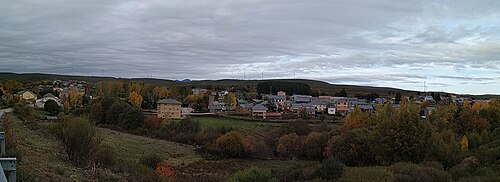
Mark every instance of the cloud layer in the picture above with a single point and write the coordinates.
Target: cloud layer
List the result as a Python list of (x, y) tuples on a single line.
[(451, 45)]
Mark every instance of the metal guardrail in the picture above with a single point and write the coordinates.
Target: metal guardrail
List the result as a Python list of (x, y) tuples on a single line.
[(9, 172)]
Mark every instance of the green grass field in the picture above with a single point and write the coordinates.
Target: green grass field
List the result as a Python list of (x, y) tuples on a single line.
[(246, 127)]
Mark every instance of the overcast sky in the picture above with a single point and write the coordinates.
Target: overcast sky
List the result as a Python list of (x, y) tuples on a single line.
[(452, 45)]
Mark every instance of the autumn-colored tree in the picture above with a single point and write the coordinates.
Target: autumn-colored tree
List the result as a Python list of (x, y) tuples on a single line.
[(289, 145), (382, 113), (230, 100), (477, 106), (464, 143), (425, 104), (469, 120), (135, 99), (75, 98), (355, 119), (443, 116), (353, 147), (467, 104), (314, 144), (230, 144), (151, 122), (444, 148)]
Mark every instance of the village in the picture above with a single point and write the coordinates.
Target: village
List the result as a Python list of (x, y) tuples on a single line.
[(267, 107)]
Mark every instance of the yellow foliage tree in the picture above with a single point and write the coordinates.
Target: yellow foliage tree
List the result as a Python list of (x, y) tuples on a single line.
[(355, 119), (479, 106), (75, 98), (135, 99), (230, 100), (464, 143), (467, 104)]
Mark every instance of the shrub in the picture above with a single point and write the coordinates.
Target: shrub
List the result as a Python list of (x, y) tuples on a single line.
[(253, 174), (409, 172), (367, 174), (209, 134), (52, 107), (353, 147), (151, 122), (79, 138), (331, 169), (314, 144), (105, 156), (151, 160), (230, 144), (300, 127), (289, 145), (166, 171)]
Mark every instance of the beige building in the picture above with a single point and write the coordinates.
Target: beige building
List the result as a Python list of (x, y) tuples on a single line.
[(27, 95), (168, 108), (259, 111)]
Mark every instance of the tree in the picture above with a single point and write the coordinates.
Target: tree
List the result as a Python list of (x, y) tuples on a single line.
[(135, 99), (230, 100), (75, 98), (355, 119), (52, 107), (289, 145), (342, 93), (314, 144), (230, 144), (397, 99), (464, 143), (303, 113), (353, 148), (403, 137)]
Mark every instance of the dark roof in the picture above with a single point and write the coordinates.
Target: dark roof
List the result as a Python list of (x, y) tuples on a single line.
[(259, 107), (168, 101)]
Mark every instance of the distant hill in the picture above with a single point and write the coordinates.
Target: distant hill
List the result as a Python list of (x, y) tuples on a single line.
[(320, 86)]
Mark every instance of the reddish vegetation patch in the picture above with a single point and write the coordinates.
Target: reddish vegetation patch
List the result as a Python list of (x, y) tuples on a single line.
[(166, 171), (209, 170)]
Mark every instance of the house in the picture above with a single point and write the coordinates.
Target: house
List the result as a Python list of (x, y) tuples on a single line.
[(281, 93), (332, 110), (259, 110), (319, 105), (301, 98), (168, 108), (296, 108), (40, 103), (27, 95), (186, 111), (244, 108), (217, 106), (278, 99)]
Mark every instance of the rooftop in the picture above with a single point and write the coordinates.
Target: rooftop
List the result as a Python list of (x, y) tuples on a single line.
[(168, 101)]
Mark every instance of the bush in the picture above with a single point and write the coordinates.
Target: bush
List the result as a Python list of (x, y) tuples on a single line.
[(300, 127), (151, 160), (151, 122), (253, 174), (367, 174), (79, 138), (353, 147), (331, 169), (314, 144), (409, 172), (289, 145), (52, 107), (105, 156), (230, 144)]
